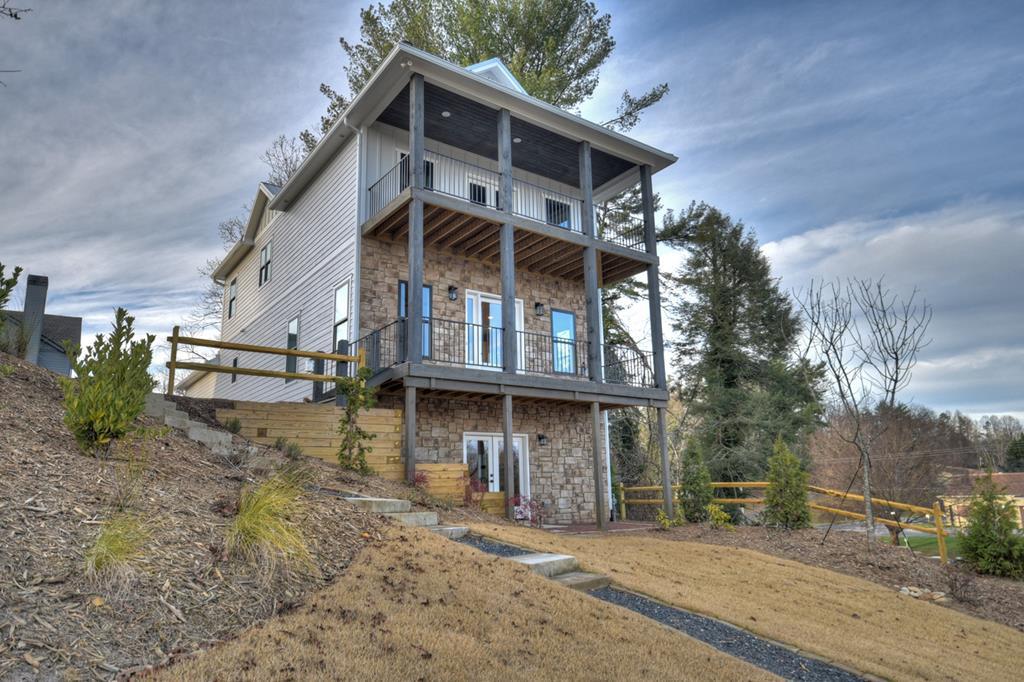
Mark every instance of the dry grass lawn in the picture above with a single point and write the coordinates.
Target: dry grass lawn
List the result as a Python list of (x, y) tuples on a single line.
[(844, 619), (419, 607)]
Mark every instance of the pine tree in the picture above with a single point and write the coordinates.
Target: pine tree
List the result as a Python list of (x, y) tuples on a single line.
[(991, 544), (1015, 455), (695, 492), (737, 334), (786, 499)]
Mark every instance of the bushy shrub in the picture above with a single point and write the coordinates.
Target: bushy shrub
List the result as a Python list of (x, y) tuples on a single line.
[(120, 540), (265, 530), (990, 544), (695, 491), (357, 397), (718, 517), (786, 499), (664, 522), (281, 443), (7, 285), (233, 425), (293, 451), (110, 390)]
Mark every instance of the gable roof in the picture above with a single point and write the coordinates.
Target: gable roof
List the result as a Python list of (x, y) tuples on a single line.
[(494, 69), (264, 193), (56, 328), (961, 481), (393, 75)]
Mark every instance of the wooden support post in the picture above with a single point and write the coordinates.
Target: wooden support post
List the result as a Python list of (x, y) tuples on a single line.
[(940, 532), (414, 332), (509, 463), (666, 466), (341, 371), (509, 338), (621, 494), (409, 442), (590, 278), (653, 281), (600, 494), (174, 358)]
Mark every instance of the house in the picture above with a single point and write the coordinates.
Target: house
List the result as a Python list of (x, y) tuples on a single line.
[(38, 337), (454, 185), (199, 383), (959, 484)]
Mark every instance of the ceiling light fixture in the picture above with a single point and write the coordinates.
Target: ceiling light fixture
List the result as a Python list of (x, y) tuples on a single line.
[(445, 114), (517, 140)]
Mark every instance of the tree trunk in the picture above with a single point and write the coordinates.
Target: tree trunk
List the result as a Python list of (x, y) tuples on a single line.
[(868, 510)]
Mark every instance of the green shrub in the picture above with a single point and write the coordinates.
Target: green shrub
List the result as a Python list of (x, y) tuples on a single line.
[(293, 450), (664, 522), (6, 288), (233, 425), (281, 443), (6, 371), (695, 492), (357, 397), (120, 540), (265, 530), (990, 544), (786, 499), (718, 517), (111, 386)]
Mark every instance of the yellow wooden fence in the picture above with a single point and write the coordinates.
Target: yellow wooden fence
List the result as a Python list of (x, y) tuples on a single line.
[(935, 513)]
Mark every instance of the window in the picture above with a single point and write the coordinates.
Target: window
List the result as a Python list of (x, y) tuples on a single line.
[(232, 294), (290, 361), (340, 315), (563, 341), (265, 254), (403, 310), (483, 193), (557, 213), (234, 363), (428, 171)]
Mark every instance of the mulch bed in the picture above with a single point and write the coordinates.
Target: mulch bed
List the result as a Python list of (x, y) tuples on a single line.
[(183, 594), (997, 599)]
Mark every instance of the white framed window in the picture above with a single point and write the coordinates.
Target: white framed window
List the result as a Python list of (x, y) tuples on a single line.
[(557, 212), (482, 191), (232, 296), (428, 170), (292, 343), (341, 315), (265, 257)]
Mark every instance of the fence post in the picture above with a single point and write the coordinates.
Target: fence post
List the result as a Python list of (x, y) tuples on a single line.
[(174, 358), (318, 386), (341, 370), (621, 494), (940, 532)]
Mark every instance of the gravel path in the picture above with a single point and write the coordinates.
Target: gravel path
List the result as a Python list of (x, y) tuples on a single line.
[(727, 638)]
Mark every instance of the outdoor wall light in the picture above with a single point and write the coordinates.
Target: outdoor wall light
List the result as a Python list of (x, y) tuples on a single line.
[(542, 439), (538, 309), (453, 293)]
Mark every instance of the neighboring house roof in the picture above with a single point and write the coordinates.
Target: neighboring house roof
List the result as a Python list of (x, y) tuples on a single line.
[(56, 328), (196, 374), (393, 75), (495, 70), (961, 481), (264, 193)]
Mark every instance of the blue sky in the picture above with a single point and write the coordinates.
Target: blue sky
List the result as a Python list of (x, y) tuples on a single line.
[(871, 139)]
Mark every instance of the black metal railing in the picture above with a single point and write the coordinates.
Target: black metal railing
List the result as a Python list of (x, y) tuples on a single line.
[(546, 205), (384, 347), (389, 186), (624, 229), (466, 344), (551, 355), (463, 180), (628, 366)]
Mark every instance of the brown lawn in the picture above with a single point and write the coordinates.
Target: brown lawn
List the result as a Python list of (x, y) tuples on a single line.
[(417, 606), (841, 618)]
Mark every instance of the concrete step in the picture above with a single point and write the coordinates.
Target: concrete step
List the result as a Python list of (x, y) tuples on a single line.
[(177, 421), (583, 581), (548, 565), (450, 532), (415, 518), (380, 505)]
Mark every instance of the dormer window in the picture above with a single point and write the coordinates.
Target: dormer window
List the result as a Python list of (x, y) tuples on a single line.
[(265, 254)]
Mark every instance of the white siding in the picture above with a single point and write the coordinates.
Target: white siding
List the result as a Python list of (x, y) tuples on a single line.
[(203, 387), (314, 252)]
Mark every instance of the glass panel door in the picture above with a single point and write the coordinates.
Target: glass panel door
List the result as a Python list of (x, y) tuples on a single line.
[(563, 341), (485, 457), (478, 456)]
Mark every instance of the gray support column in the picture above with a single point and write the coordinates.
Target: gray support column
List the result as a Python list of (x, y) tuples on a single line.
[(414, 331), (600, 503), (590, 267), (409, 441), (666, 468), (510, 478), (653, 282), (509, 338)]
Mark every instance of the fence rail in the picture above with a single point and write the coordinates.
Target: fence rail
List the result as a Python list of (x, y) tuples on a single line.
[(934, 512)]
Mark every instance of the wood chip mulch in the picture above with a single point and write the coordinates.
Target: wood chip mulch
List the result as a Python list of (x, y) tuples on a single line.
[(183, 594)]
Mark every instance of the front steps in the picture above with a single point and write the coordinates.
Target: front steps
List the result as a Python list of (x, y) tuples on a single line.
[(401, 511), (158, 407), (583, 581), (546, 564)]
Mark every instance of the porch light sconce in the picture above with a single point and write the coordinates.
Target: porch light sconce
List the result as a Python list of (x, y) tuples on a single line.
[(542, 439), (538, 309), (453, 293)]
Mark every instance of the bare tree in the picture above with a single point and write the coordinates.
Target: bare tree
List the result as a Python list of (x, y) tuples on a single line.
[(282, 158), (868, 339), (208, 308), (12, 12)]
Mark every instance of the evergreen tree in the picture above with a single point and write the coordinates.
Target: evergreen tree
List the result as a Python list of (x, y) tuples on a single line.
[(737, 335), (1015, 455), (695, 493), (991, 544), (786, 499)]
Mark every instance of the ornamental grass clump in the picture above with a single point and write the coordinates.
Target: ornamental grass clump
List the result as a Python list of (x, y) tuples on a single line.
[(120, 540), (109, 393), (991, 543), (266, 529), (786, 498)]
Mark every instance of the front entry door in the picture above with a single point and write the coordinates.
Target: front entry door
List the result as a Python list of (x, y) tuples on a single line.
[(484, 453), (483, 330)]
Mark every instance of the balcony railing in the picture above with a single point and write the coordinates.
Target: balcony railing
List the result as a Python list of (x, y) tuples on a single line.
[(479, 185), (628, 366)]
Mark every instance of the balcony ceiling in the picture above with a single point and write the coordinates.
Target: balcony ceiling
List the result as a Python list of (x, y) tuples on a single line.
[(473, 127)]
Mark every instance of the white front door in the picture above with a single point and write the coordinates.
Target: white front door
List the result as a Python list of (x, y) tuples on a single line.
[(484, 453), (483, 330)]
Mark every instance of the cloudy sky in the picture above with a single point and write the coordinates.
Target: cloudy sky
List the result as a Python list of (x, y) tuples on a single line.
[(868, 139)]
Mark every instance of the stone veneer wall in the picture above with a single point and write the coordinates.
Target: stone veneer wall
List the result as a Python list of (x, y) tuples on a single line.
[(561, 472), (383, 263)]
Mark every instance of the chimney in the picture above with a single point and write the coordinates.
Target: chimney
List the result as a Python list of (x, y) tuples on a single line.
[(32, 318)]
